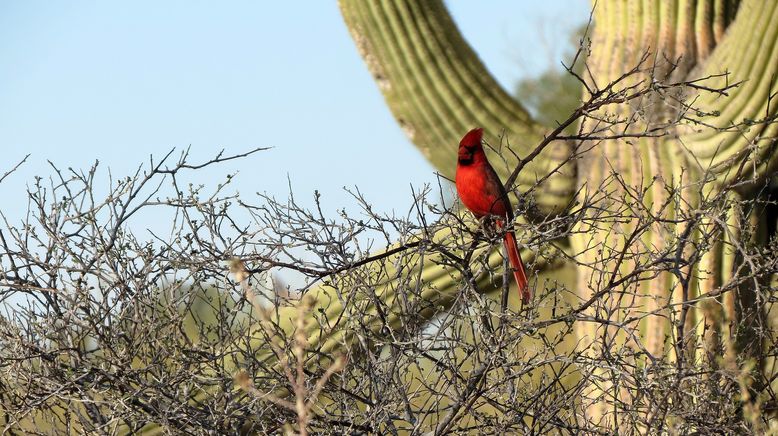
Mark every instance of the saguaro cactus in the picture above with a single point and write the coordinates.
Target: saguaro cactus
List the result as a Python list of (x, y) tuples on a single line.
[(437, 88)]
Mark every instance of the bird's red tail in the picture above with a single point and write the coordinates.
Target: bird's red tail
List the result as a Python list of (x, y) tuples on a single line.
[(517, 265)]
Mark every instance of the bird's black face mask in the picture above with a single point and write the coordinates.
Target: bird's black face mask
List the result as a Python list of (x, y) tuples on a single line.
[(465, 155)]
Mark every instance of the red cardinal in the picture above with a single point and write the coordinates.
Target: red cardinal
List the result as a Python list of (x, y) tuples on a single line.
[(482, 192)]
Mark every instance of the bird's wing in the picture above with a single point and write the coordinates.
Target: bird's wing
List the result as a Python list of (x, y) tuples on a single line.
[(502, 203)]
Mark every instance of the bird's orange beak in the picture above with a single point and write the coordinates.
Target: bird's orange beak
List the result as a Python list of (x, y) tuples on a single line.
[(465, 153)]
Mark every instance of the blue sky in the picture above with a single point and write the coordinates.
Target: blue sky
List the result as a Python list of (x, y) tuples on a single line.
[(118, 81)]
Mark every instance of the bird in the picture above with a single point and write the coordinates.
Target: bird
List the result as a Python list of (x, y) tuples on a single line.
[(481, 191)]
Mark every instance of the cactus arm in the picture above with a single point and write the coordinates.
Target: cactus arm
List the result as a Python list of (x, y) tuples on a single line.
[(437, 89), (740, 147)]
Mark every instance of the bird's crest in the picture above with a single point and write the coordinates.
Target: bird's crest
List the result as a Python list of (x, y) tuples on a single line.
[(472, 138)]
